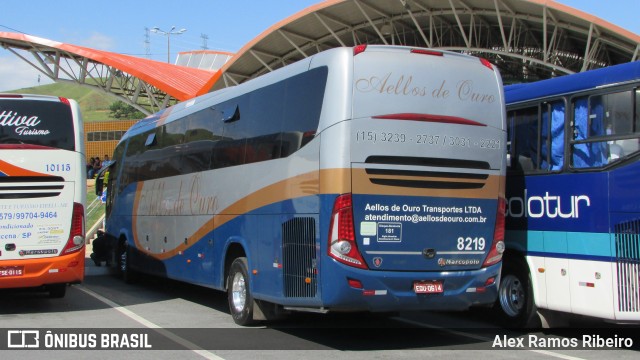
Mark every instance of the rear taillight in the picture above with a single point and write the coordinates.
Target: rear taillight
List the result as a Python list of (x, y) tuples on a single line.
[(429, 118), (497, 246), (427, 52), (64, 101), (359, 49), (342, 242), (76, 236), (486, 63)]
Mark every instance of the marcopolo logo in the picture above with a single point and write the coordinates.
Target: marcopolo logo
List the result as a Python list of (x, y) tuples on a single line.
[(549, 206), (457, 262)]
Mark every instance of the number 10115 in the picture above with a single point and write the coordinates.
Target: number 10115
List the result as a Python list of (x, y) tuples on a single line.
[(58, 167)]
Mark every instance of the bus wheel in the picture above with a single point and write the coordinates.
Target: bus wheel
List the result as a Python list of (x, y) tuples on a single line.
[(515, 297), (57, 291), (238, 293), (124, 266)]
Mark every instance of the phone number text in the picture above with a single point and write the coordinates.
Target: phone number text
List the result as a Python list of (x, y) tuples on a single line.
[(28, 215), (427, 139)]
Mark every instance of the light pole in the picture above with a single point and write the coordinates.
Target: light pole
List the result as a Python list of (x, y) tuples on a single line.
[(157, 30)]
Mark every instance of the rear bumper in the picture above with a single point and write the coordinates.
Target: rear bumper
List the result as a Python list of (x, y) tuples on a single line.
[(44, 271), (393, 291)]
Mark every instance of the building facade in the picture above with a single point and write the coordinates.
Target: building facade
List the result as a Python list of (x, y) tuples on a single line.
[(101, 137)]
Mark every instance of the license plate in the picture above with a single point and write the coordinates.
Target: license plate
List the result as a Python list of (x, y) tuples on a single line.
[(428, 287), (7, 271)]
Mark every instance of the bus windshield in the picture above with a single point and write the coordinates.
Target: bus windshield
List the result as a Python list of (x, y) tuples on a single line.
[(48, 123)]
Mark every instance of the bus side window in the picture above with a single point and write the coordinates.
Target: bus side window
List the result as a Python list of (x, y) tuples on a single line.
[(552, 136), (304, 96), (523, 125), (636, 123), (585, 124), (621, 122), (168, 157), (231, 149), (113, 185), (602, 127), (133, 169), (267, 107), (630, 146), (201, 134)]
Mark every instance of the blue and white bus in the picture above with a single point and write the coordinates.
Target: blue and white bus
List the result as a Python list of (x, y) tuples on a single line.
[(367, 178), (573, 198)]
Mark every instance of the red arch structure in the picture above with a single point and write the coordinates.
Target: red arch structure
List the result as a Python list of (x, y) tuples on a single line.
[(527, 39), (146, 84)]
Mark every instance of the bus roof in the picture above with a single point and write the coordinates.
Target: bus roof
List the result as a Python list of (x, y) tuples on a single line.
[(30, 97), (572, 83)]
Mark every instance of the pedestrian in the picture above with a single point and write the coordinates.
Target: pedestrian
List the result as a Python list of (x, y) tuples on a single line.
[(100, 250), (90, 170), (96, 166)]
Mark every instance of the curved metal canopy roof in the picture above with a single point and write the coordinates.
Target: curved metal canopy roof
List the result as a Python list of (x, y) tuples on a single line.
[(527, 39), (146, 84)]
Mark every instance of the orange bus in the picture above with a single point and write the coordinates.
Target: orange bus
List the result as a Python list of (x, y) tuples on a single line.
[(42, 193)]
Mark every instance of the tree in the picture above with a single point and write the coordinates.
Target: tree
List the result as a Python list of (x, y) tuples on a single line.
[(120, 110)]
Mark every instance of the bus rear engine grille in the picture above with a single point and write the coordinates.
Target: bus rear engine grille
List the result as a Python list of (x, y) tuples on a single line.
[(29, 191), (450, 180), (628, 265)]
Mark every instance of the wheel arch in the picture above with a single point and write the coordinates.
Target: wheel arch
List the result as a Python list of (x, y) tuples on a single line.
[(517, 258), (234, 250), (518, 264)]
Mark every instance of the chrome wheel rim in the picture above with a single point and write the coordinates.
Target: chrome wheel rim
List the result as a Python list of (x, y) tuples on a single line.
[(238, 292), (512, 295)]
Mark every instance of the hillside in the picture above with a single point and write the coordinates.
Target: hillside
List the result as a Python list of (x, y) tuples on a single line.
[(94, 104)]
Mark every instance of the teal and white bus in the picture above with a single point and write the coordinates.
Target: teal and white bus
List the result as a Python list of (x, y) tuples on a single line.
[(366, 178)]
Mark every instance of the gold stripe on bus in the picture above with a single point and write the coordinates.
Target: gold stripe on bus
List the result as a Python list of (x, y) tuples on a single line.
[(295, 187), (335, 181), (328, 181)]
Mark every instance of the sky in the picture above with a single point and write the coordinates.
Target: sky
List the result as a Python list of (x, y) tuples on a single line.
[(119, 25)]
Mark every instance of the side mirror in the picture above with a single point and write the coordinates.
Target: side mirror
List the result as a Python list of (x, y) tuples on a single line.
[(100, 178), (99, 185)]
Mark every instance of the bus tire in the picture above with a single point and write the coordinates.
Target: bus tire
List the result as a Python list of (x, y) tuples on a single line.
[(124, 266), (239, 293), (57, 291), (515, 304)]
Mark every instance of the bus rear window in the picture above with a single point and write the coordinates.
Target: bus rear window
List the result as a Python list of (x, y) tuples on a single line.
[(43, 123)]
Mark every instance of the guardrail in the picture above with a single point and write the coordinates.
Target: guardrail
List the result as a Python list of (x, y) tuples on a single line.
[(93, 209)]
